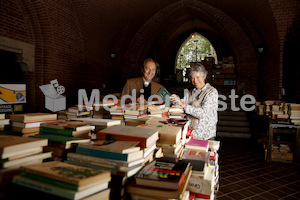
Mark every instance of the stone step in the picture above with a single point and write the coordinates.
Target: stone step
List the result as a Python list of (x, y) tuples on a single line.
[(234, 129), (233, 135), (232, 118), (234, 123)]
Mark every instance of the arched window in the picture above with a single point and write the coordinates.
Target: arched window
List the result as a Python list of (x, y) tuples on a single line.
[(194, 49)]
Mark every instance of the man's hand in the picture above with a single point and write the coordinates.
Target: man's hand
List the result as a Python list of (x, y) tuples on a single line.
[(141, 100)]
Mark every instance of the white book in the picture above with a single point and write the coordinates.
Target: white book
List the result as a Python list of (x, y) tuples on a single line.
[(24, 160), (97, 121)]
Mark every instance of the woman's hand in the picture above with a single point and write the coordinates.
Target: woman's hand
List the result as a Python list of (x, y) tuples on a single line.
[(176, 100)]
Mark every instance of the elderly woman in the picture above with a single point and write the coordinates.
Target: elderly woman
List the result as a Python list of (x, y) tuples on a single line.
[(200, 104)]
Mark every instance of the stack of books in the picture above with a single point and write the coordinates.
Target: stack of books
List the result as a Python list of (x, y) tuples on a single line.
[(16, 151), (101, 110), (65, 180), (158, 110), (204, 179), (116, 112), (163, 178), (99, 123), (75, 112), (29, 123), (176, 112), (3, 122), (138, 112), (281, 153), (63, 135), (169, 138), (146, 137), (294, 110)]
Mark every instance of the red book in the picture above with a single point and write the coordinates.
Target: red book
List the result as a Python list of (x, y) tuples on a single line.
[(146, 137), (199, 145)]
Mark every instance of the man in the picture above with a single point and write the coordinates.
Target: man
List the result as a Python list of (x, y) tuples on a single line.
[(143, 85)]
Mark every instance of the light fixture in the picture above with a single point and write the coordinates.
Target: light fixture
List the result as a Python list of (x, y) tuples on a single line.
[(112, 54), (260, 48)]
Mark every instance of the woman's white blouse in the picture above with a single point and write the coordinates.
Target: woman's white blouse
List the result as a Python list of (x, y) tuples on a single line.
[(206, 113)]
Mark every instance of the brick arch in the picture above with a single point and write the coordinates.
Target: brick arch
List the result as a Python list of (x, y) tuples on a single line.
[(143, 39)]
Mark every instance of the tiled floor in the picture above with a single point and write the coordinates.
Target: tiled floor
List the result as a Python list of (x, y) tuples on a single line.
[(245, 175)]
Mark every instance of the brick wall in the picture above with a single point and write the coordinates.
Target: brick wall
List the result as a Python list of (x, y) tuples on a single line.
[(73, 39)]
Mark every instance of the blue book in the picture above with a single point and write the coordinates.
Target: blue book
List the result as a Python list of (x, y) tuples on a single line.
[(111, 155)]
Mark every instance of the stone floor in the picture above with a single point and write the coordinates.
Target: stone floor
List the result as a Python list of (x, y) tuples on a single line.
[(244, 174)]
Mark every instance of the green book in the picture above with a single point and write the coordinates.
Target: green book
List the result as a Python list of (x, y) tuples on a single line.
[(164, 94), (56, 131)]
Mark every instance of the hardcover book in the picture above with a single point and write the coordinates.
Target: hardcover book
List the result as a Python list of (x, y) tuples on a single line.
[(146, 137), (32, 117), (200, 145), (112, 146), (14, 145), (69, 125), (68, 173), (163, 173), (164, 94)]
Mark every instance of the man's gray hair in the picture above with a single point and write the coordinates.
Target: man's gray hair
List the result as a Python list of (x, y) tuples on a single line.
[(198, 68)]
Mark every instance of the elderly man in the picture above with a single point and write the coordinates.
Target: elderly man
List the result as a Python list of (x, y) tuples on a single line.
[(143, 85)]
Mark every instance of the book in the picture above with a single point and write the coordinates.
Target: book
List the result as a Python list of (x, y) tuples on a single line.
[(68, 125), (22, 161), (98, 121), (198, 159), (24, 130), (67, 173), (64, 132), (129, 133), (32, 117), (59, 191), (30, 124), (163, 173), (64, 140), (135, 189), (112, 146), (167, 134), (164, 94), (112, 155), (107, 161), (14, 145), (200, 145)]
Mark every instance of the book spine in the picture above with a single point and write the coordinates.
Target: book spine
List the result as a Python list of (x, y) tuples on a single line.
[(107, 136), (57, 131), (102, 154), (49, 133), (49, 181), (44, 187)]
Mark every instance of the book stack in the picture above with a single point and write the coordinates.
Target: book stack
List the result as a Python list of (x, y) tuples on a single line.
[(99, 123), (176, 112), (268, 107), (169, 138), (63, 135), (137, 113), (116, 112), (294, 110), (281, 153), (204, 175), (3, 121), (259, 108), (29, 123), (101, 110), (158, 110), (163, 178), (65, 180), (62, 114), (146, 137), (75, 112), (122, 158), (16, 151)]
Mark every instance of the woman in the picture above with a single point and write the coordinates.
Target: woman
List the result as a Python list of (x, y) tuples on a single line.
[(200, 104)]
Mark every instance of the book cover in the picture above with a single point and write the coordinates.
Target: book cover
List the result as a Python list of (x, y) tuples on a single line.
[(68, 125), (32, 117), (112, 146), (11, 144), (129, 133), (65, 140), (112, 155), (163, 173), (167, 134), (59, 191), (68, 173), (164, 94), (201, 145)]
